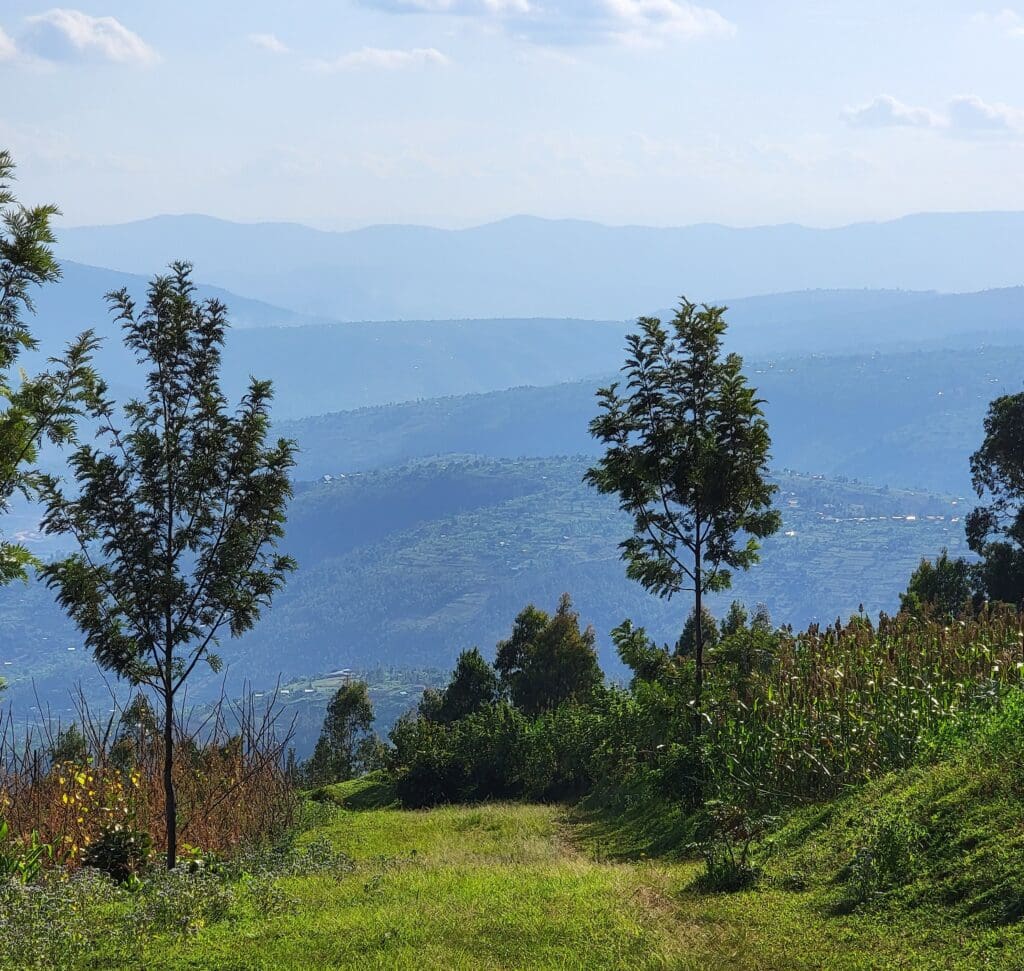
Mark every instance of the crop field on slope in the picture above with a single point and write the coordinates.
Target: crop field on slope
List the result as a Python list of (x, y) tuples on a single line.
[(510, 887)]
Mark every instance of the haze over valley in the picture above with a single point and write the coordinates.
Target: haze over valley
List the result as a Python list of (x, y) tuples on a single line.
[(449, 434)]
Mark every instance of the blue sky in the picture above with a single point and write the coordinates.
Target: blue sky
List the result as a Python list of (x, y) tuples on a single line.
[(455, 112)]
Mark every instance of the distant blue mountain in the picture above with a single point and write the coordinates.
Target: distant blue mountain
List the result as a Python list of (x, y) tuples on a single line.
[(526, 267), (326, 367), (76, 301)]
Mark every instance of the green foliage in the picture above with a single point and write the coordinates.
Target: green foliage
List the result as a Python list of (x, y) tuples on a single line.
[(342, 750), (20, 861), (945, 586), (727, 838), (70, 745), (481, 756), (177, 511), (548, 660), (39, 408), (884, 861), (789, 717), (473, 686), (687, 644), (687, 454), (121, 852), (996, 531)]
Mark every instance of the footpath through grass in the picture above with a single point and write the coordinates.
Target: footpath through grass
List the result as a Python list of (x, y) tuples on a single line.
[(521, 887)]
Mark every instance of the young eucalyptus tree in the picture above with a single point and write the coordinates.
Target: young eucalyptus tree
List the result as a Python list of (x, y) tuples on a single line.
[(177, 511), (687, 453)]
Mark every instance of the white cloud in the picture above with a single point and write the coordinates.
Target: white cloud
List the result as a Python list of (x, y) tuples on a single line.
[(964, 114), (967, 112), (269, 42), (377, 58), (885, 111), (643, 21), (466, 8), (1007, 20), (66, 35), (7, 49), (575, 22)]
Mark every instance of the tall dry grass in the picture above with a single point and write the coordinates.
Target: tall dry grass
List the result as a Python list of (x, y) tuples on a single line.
[(233, 788)]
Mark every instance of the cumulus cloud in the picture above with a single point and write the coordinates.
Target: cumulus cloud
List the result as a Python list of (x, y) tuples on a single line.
[(69, 35), (885, 111), (269, 42), (573, 22), (7, 49), (466, 8), (388, 60), (967, 112), (641, 21), (1007, 20), (964, 114)]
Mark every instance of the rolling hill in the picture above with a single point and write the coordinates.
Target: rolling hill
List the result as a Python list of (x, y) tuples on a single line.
[(525, 267), (409, 566), (907, 419)]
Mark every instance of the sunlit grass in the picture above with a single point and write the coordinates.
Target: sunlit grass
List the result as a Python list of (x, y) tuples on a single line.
[(511, 886)]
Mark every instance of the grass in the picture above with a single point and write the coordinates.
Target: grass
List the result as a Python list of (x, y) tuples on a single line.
[(505, 886), (919, 869)]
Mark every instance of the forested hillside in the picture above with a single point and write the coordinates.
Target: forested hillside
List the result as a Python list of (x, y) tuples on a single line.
[(410, 566), (907, 419)]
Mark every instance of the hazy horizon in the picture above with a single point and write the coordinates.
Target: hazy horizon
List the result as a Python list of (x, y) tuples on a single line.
[(524, 216), (456, 113)]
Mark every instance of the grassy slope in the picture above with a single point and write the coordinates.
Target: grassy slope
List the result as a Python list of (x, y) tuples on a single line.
[(514, 886)]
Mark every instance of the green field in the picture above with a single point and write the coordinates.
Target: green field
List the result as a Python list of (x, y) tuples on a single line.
[(529, 887)]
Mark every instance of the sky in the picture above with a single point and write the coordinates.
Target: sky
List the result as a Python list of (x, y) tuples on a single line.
[(345, 113)]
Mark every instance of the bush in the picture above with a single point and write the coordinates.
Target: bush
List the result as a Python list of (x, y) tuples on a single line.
[(727, 839), (54, 922), (482, 756), (120, 852)]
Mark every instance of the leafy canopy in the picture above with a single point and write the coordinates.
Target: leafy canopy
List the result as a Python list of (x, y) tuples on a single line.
[(945, 586), (687, 452), (179, 507), (548, 660), (347, 724), (44, 407), (177, 512), (995, 531), (473, 686)]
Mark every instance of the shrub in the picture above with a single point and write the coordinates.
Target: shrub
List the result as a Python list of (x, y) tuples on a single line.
[(727, 837), (55, 923), (120, 852)]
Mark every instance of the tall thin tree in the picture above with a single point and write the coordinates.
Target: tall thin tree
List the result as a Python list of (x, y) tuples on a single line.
[(686, 451), (177, 514)]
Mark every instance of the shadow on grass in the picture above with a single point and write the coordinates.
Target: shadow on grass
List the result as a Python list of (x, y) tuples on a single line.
[(375, 790), (648, 829)]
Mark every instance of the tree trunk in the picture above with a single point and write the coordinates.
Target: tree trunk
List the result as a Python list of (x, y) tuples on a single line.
[(698, 630), (170, 803)]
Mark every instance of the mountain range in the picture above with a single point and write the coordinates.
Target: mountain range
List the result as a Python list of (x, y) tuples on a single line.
[(529, 267), (323, 366)]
